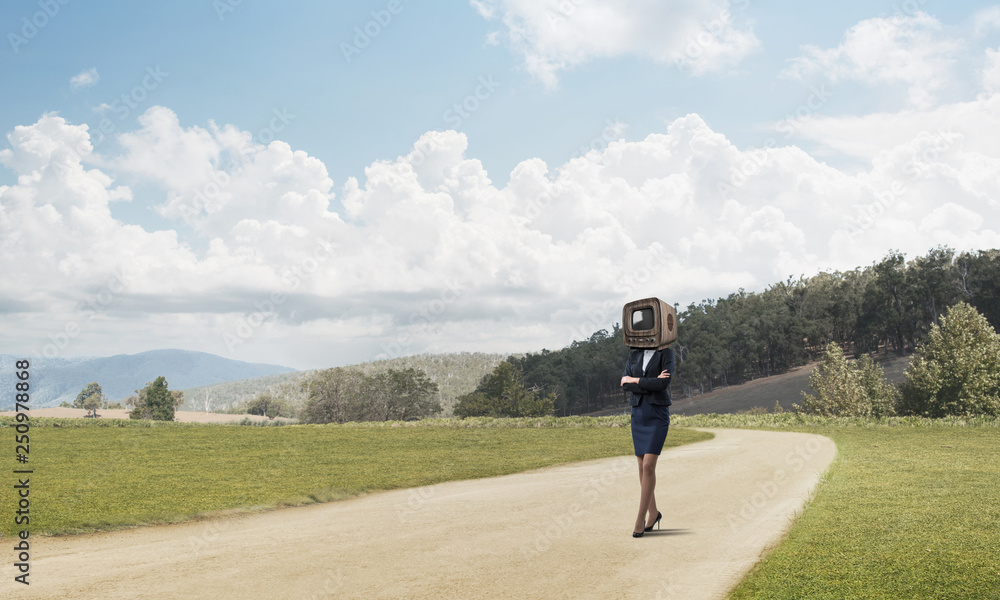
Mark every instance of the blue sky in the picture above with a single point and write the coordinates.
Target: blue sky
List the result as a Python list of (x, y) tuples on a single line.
[(235, 64), (526, 154)]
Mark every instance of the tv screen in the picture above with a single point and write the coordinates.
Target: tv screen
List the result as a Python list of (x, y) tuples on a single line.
[(642, 319)]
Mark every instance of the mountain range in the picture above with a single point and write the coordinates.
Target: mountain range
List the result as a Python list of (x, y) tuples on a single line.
[(57, 380)]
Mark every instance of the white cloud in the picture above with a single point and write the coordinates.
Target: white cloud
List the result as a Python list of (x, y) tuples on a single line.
[(986, 21), (554, 35), (484, 9), (991, 71), (84, 79), (916, 51), (428, 254), (218, 179), (974, 123)]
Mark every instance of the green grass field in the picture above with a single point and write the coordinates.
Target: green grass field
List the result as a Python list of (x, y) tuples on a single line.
[(100, 477), (909, 509)]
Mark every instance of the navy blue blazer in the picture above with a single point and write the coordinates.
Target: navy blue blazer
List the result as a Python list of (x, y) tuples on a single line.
[(650, 388)]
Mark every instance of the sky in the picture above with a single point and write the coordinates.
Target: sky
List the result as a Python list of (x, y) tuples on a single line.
[(315, 184)]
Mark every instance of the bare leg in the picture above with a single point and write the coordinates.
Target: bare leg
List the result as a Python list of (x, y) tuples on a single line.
[(652, 510), (642, 517), (652, 500), (647, 481)]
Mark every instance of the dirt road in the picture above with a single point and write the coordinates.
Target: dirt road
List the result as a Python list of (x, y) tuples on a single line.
[(559, 532)]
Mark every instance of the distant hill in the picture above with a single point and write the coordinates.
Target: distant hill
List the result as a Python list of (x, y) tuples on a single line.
[(455, 373), (221, 397), (56, 380)]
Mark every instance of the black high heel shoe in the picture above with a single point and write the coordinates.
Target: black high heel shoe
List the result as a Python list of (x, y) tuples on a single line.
[(659, 516), (637, 533)]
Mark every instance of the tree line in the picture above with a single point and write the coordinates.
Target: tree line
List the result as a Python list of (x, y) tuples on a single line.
[(888, 306)]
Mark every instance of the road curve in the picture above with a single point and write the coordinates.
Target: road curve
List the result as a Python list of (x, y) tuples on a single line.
[(557, 532)]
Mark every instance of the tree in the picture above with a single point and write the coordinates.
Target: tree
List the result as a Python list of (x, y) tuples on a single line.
[(268, 405), (956, 371), (881, 395), (837, 387), (335, 396), (706, 358), (978, 280), (340, 395), (845, 389), (887, 316), (91, 397), (502, 394), (402, 395), (92, 403), (177, 397), (933, 282), (135, 403), (581, 377), (155, 401), (159, 400)]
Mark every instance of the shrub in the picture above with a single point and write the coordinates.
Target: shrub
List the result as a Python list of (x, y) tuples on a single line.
[(848, 390), (881, 394), (502, 394), (956, 371)]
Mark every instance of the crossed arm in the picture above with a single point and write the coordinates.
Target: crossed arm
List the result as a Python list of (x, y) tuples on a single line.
[(649, 384)]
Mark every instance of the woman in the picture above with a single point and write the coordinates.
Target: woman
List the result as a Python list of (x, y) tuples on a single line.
[(650, 400)]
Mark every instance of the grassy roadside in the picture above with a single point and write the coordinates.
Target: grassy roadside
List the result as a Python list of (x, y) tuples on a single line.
[(909, 509), (99, 477)]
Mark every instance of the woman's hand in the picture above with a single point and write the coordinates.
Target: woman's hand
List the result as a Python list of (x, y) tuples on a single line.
[(663, 375)]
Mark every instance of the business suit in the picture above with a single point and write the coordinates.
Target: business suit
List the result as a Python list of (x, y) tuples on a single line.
[(650, 399), (650, 388)]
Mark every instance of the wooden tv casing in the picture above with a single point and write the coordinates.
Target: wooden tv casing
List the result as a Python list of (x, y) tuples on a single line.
[(664, 331)]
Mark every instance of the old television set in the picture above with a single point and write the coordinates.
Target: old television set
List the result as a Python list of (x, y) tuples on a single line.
[(649, 323)]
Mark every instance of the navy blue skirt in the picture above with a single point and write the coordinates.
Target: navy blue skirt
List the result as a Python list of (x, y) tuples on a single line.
[(649, 427)]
